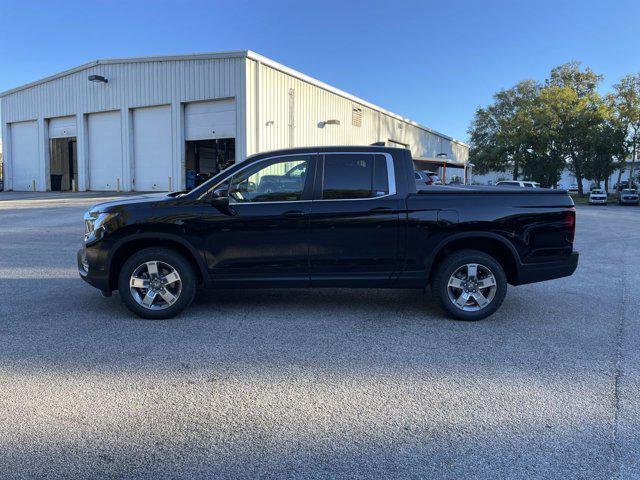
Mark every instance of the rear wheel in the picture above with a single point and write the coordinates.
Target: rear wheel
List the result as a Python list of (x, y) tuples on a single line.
[(157, 283), (469, 285)]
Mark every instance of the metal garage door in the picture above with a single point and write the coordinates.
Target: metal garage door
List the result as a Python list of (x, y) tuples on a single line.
[(24, 156), (210, 120), (152, 155), (62, 127), (105, 151)]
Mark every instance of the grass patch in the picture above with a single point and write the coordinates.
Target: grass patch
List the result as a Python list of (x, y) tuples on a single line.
[(580, 200)]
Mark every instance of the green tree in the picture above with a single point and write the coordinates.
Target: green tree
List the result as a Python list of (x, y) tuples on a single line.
[(538, 130), (574, 110), (607, 147), (500, 133), (626, 102)]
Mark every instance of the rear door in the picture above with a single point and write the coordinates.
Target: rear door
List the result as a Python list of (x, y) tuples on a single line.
[(355, 217)]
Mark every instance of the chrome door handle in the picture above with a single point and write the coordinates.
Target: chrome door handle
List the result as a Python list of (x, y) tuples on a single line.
[(294, 214)]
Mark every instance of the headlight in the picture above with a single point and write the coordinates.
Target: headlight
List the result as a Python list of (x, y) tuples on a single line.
[(94, 221)]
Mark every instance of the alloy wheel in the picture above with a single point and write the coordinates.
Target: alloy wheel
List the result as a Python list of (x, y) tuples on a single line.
[(155, 285), (472, 287)]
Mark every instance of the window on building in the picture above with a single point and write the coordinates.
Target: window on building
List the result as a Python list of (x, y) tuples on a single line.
[(356, 116), (354, 176)]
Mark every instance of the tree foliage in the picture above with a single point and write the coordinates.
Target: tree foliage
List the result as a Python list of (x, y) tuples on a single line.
[(626, 106), (500, 132), (536, 130)]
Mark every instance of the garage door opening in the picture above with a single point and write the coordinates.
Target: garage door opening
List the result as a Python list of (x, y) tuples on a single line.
[(205, 158), (210, 131), (63, 164)]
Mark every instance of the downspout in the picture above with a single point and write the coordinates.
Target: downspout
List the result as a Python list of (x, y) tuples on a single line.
[(258, 89)]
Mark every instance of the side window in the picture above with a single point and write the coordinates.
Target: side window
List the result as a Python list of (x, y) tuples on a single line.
[(297, 171), (349, 176), (275, 180)]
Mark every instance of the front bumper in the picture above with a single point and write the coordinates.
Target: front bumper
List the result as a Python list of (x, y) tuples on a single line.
[(597, 201), (91, 274), (539, 272), (629, 201)]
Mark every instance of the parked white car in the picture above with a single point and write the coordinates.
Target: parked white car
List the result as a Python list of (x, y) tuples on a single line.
[(597, 196), (517, 183), (628, 196)]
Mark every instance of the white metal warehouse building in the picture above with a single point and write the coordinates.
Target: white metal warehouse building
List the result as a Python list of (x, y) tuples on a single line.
[(164, 123)]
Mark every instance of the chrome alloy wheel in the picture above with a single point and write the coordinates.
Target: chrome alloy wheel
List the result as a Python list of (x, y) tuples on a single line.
[(155, 285), (472, 287)]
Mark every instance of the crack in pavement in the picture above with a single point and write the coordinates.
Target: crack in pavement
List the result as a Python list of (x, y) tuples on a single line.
[(617, 370)]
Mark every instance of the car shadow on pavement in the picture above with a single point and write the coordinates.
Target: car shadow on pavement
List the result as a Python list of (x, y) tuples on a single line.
[(341, 301)]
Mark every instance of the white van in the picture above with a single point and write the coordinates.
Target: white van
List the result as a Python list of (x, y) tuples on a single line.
[(517, 183)]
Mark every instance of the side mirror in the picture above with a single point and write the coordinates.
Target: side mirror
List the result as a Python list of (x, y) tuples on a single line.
[(219, 198)]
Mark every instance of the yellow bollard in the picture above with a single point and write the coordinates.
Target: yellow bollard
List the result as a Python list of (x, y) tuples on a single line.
[(118, 185), (170, 189), (33, 185)]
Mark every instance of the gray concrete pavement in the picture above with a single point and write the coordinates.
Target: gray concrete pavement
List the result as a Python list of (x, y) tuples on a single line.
[(315, 384)]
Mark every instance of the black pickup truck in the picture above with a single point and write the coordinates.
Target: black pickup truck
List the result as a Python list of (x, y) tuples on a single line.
[(328, 217)]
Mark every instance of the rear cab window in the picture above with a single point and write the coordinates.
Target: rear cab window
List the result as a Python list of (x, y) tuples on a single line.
[(356, 176)]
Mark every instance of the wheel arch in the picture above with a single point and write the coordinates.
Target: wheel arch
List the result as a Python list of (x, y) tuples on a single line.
[(491, 244), (131, 245)]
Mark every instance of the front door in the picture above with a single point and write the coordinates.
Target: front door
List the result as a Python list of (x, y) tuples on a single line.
[(262, 237), (355, 216)]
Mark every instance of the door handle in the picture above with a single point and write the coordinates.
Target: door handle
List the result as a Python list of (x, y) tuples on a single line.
[(294, 214), (381, 210)]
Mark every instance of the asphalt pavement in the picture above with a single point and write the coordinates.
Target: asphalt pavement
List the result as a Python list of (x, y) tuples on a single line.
[(337, 383)]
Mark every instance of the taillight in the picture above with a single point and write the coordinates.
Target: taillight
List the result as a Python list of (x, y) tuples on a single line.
[(570, 223)]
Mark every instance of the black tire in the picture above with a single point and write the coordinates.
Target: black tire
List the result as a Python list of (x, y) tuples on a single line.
[(170, 257), (453, 262)]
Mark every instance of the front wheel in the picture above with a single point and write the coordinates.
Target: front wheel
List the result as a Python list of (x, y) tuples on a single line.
[(157, 283), (469, 285)]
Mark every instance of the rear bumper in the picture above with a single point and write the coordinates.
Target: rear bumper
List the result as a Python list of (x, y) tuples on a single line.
[(539, 272), (93, 276)]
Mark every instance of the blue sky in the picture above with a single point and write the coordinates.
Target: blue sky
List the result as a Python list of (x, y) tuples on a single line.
[(433, 62)]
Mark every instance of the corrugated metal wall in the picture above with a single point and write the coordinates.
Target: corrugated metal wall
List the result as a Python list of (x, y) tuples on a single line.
[(130, 85), (275, 108), (272, 94)]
